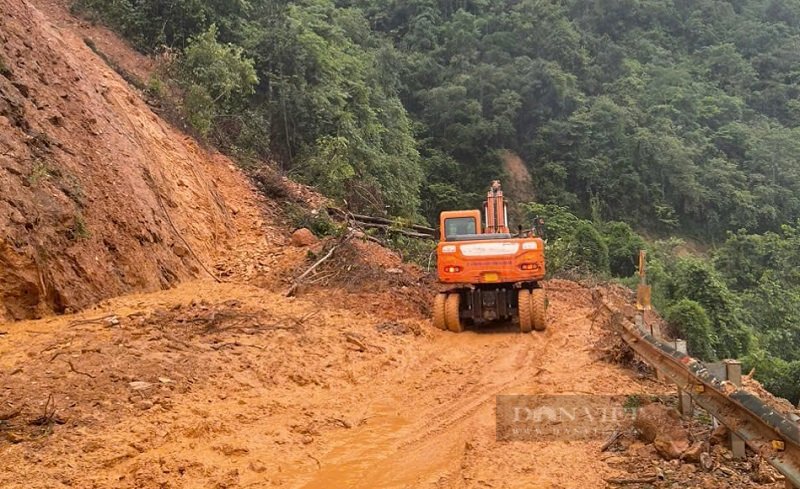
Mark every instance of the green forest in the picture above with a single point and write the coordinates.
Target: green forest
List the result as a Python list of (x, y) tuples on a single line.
[(638, 120)]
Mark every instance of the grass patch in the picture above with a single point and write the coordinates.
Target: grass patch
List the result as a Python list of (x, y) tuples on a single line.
[(40, 172), (318, 222), (79, 230)]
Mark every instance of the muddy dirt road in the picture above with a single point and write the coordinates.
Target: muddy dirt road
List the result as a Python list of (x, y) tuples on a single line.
[(224, 385)]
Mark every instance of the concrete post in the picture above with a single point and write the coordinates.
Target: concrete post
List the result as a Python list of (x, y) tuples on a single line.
[(684, 399), (733, 373)]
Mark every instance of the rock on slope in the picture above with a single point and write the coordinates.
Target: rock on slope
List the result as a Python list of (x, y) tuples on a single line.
[(98, 196)]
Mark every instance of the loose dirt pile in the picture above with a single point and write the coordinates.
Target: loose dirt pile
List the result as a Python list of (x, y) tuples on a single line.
[(233, 386), (230, 385), (99, 196)]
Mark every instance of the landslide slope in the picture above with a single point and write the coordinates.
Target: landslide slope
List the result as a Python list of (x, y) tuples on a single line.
[(98, 196)]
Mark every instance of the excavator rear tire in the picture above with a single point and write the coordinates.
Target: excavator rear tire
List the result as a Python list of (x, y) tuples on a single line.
[(524, 310), (539, 309), (439, 321), (452, 317)]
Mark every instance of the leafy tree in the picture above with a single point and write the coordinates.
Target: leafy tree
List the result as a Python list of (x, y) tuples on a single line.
[(692, 323), (623, 248), (777, 375), (588, 250), (217, 78), (698, 281)]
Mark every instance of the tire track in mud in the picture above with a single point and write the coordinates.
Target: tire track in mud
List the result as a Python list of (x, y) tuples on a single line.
[(431, 448), (427, 443)]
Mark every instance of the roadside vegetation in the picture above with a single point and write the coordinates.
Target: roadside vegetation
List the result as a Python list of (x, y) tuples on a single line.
[(635, 118)]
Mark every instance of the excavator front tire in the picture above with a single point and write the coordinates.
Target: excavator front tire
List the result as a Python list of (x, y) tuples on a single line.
[(439, 320), (524, 310), (539, 309), (452, 317)]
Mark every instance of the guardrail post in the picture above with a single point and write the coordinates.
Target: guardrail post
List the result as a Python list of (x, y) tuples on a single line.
[(796, 419), (684, 399), (733, 373)]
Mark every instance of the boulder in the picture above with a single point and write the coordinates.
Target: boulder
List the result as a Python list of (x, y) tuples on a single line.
[(671, 445), (303, 237), (662, 427)]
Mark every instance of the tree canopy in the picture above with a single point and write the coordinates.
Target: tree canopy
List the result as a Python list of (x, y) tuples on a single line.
[(661, 116)]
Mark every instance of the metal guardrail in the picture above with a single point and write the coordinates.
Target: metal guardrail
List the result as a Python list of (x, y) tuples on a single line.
[(769, 433)]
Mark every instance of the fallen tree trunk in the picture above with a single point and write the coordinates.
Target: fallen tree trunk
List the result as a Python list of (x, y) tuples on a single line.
[(380, 220), (388, 228)]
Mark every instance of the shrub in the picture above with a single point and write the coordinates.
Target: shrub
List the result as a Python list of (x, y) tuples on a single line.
[(623, 248), (692, 323), (413, 250), (776, 375), (319, 222), (588, 250), (697, 280), (217, 78), (559, 221)]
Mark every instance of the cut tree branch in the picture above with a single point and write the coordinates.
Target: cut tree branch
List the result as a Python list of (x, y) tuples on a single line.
[(313, 267)]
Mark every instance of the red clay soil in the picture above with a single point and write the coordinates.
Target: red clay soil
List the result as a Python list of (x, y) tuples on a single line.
[(99, 196)]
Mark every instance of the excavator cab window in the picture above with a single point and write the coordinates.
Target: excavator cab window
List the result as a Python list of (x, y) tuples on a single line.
[(459, 226)]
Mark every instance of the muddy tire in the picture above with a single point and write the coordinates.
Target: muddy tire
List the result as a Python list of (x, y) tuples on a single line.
[(439, 321), (539, 309), (452, 317), (524, 311)]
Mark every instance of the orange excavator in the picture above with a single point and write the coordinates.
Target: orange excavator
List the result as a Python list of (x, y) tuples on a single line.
[(486, 273)]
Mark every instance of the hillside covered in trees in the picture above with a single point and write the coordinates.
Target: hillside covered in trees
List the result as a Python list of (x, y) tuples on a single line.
[(668, 117)]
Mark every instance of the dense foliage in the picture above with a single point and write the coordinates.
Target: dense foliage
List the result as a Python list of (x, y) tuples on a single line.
[(671, 116), (306, 84), (743, 303)]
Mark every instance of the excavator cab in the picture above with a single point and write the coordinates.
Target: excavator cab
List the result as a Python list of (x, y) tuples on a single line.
[(487, 274)]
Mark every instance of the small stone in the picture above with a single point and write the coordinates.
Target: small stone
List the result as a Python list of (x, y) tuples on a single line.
[(694, 452), (303, 237), (56, 119), (670, 448), (307, 439), (661, 426), (706, 461), (16, 217), (179, 250), (144, 404)]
